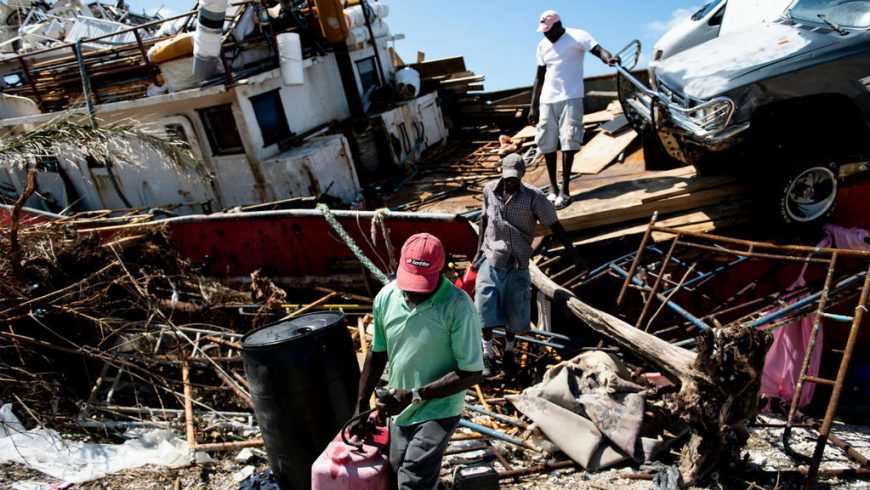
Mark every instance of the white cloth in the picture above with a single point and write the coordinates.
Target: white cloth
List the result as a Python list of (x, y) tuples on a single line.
[(564, 62)]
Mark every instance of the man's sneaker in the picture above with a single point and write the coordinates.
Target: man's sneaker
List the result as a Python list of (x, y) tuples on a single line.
[(552, 197), (508, 366), (488, 370)]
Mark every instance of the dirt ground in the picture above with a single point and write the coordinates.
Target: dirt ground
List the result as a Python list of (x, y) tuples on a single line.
[(769, 466)]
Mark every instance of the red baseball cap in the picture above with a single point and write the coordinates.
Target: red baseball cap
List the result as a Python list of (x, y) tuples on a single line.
[(421, 264)]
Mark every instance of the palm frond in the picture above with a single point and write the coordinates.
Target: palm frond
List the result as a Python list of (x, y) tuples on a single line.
[(71, 136)]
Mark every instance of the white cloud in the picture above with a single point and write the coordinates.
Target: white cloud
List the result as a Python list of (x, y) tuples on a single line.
[(659, 27)]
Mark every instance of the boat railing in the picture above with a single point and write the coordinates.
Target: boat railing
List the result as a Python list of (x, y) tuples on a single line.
[(119, 72)]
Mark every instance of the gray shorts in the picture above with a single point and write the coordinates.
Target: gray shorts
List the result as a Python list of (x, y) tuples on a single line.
[(416, 451), (560, 126), (503, 297)]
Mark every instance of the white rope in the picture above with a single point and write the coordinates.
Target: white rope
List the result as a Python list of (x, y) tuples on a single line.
[(330, 218), (379, 221)]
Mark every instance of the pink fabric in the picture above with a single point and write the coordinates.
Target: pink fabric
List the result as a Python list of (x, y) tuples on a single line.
[(785, 358), (786, 355), (848, 238)]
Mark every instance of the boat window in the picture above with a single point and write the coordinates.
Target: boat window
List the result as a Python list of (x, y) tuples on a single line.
[(368, 75), (716, 20), (270, 117), (177, 132), (706, 9), (220, 127), (13, 80)]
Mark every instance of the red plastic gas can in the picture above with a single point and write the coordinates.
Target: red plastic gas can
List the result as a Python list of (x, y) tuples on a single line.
[(342, 466), (467, 281)]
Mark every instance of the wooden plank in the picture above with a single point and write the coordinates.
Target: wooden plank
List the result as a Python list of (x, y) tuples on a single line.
[(597, 117), (605, 213), (702, 220), (440, 66), (525, 133), (667, 192), (615, 108), (603, 149)]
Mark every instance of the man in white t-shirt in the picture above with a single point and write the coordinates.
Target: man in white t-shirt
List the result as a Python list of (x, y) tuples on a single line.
[(557, 96)]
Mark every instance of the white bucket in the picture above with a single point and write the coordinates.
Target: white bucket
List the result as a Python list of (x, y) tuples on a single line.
[(408, 83), (290, 58)]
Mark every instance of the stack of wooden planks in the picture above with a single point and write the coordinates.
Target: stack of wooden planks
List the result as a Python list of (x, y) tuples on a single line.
[(448, 74), (681, 197)]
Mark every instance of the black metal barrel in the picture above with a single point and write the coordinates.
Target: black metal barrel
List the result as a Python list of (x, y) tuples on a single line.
[(303, 375)]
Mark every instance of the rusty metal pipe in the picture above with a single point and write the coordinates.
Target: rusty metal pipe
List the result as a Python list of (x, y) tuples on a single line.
[(637, 256), (657, 283), (766, 245)]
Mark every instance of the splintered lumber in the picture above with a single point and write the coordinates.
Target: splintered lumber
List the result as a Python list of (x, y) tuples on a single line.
[(719, 385), (601, 151), (667, 192)]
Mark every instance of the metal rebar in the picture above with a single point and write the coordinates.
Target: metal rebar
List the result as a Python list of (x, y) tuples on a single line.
[(657, 283), (802, 249), (669, 297), (634, 263), (673, 306), (756, 255)]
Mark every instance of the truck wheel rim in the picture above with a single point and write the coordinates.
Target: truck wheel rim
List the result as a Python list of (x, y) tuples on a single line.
[(811, 194)]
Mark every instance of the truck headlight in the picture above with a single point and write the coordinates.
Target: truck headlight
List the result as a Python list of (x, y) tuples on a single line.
[(711, 116)]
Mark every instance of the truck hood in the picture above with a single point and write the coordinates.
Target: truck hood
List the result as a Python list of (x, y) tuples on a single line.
[(714, 67)]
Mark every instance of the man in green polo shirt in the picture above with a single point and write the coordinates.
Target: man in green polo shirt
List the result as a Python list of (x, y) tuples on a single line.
[(428, 331)]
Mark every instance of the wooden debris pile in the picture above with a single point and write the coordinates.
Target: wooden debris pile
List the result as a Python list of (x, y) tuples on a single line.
[(722, 298), (74, 304), (448, 75)]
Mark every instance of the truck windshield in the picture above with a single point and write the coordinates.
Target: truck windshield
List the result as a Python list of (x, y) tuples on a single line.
[(844, 13)]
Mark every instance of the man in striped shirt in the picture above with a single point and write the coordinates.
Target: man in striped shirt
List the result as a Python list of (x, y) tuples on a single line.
[(511, 210)]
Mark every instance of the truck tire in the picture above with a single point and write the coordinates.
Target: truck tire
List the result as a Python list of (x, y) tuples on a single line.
[(807, 194)]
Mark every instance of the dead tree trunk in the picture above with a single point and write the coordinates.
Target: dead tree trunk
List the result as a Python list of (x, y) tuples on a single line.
[(718, 386)]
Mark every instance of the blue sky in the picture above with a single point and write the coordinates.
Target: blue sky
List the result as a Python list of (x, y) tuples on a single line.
[(498, 38)]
